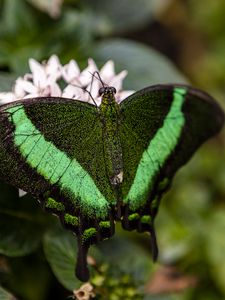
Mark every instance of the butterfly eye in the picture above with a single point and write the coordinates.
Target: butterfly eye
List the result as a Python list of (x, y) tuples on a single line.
[(114, 90), (101, 91)]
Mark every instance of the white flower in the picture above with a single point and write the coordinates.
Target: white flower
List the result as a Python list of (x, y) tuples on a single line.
[(89, 81), (43, 81), (7, 97)]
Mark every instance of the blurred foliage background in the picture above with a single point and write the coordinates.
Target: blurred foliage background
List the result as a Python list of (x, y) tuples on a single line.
[(157, 41)]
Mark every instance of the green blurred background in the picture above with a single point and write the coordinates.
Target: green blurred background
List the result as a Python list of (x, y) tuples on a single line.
[(157, 41)]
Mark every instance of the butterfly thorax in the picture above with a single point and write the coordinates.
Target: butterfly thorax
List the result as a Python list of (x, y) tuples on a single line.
[(109, 111)]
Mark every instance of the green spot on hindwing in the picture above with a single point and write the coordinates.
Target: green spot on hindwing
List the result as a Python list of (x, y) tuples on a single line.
[(72, 220), (146, 219), (104, 224), (134, 217), (88, 234), (163, 184), (55, 205)]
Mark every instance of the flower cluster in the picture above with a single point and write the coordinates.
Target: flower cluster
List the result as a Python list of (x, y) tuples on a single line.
[(47, 78)]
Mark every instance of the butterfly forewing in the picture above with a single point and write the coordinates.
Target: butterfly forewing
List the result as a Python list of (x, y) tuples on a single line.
[(53, 149)]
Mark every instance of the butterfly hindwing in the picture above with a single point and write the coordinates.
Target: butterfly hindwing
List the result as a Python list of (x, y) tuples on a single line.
[(165, 125)]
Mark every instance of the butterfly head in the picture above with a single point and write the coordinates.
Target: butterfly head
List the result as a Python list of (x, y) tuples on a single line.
[(107, 93), (107, 90)]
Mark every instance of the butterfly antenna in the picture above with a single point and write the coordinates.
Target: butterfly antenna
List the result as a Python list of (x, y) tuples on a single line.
[(89, 93), (98, 77), (85, 90)]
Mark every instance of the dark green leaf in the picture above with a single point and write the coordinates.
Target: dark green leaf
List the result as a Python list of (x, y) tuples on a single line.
[(144, 65), (6, 81), (22, 222), (29, 277), (215, 246), (119, 16), (16, 16), (60, 250), (124, 256)]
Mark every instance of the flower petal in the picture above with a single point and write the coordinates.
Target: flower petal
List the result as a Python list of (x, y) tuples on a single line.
[(93, 88), (55, 90), (38, 72), (107, 71), (72, 92), (7, 97), (86, 75), (53, 68), (70, 71), (117, 80), (22, 87), (123, 95)]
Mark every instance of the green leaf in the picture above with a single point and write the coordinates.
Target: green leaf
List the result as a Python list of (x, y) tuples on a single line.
[(78, 26), (126, 256), (108, 17), (19, 61), (129, 258), (215, 246), (60, 250), (29, 277), (145, 66), (17, 16), (119, 15), (22, 223), (4, 295), (6, 81), (22, 35)]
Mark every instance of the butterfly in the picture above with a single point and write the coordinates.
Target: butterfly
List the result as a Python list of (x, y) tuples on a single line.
[(93, 166)]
